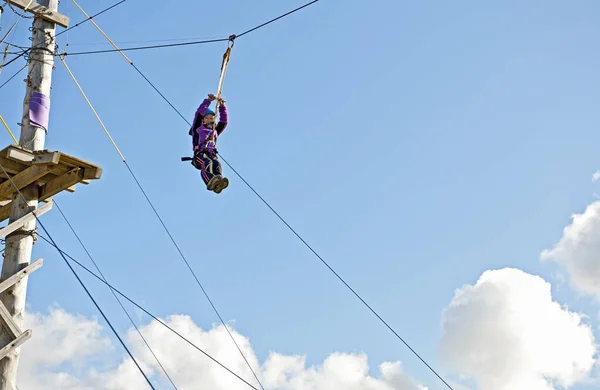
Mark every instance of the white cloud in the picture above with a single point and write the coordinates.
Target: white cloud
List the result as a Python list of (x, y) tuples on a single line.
[(579, 250), (72, 352), (507, 333), (596, 176)]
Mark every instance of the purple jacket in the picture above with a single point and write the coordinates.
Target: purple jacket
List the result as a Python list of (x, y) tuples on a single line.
[(200, 133)]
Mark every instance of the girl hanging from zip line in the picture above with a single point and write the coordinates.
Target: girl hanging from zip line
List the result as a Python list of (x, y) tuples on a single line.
[(204, 140)]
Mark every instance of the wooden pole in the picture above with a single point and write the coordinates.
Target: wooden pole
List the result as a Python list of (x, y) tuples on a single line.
[(19, 244)]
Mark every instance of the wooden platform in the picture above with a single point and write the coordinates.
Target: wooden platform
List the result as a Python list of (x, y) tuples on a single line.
[(51, 172)]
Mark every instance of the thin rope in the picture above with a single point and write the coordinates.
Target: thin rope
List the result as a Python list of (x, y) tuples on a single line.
[(8, 129), (160, 218), (194, 274), (116, 297), (144, 310), (92, 107), (102, 32), (32, 210)]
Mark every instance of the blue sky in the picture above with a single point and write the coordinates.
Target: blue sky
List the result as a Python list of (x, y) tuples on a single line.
[(414, 145)]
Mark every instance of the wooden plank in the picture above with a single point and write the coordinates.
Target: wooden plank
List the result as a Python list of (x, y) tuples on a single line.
[(21, 274), (44, 12), (8, 322), (94, 173), (5, 231), (16, 343), (4, 152), (22, 179), (47, 158), (10, 166), (61, 183), (17, 154), (72, 188), (5, 212)]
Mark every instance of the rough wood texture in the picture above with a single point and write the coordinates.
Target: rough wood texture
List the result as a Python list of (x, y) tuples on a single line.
[(16, 343), (23, 220), (21, 274), (44, 12), (8, 323), (17, 254), (21, 180), (62, 183), (47, 172)]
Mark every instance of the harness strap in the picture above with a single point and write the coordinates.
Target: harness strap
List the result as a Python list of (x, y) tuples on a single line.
[(224, 65)]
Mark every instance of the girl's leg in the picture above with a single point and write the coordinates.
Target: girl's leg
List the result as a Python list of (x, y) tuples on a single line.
[(216, 165), (205, 164), (223, 181)]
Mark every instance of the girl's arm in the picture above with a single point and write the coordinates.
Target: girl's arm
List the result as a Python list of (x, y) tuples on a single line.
[(223, 118), (199, 114)]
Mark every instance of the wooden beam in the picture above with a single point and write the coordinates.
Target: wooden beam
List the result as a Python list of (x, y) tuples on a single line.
[(17, 154), (44, 12), (8, 322), (10, 166), (4, 152), (5, 231), (47, 158), (22, 179), (21, 274), (16, 343), (93, 173), (5, 211), (61, 183)]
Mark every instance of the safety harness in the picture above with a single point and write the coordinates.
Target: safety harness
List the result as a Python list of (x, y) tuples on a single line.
[(198, 120)]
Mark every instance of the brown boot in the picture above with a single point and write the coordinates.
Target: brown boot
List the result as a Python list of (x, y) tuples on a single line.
[(213, 182), (223, 183)]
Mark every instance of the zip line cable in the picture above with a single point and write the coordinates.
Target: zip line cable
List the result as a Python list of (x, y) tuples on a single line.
[(32, 210), (147, 47), (144, 310), (290, 227), (160, 219), (113, 293), (275, 19), (146, 41), (186, 43)]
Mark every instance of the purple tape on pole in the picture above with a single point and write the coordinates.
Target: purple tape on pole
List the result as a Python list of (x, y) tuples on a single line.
[(39, 110)]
